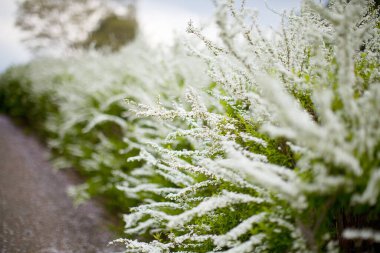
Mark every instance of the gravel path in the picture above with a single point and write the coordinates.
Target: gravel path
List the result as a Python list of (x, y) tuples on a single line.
[(36, 215)]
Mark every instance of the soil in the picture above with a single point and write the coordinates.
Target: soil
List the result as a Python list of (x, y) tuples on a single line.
[(36, 214)]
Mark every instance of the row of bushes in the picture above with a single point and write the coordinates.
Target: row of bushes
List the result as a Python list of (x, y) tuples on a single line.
[(246, 143), (77, 104)]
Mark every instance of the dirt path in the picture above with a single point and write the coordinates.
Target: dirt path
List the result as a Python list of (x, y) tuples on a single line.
[(36, 215)]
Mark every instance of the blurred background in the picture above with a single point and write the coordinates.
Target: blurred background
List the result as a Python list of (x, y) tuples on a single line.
[(35, 27)]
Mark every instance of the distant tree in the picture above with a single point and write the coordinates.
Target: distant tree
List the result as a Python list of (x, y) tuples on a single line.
[(72, 23), (114, 31)]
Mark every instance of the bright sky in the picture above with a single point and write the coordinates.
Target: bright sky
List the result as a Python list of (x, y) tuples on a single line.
[(11, 49), (157, 18)]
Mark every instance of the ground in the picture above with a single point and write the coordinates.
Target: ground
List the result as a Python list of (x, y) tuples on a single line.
[(36, 215)]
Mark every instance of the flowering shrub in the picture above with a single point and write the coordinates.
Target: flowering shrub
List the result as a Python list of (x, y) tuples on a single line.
[(278, 152), (77, 104), (290, 164)]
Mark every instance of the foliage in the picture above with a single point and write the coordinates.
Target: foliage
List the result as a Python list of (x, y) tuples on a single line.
[(113, 32), (277, 151), (58, 25)]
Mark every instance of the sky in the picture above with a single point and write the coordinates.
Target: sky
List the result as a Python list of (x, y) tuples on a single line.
[(158, 19), (11, 49)]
